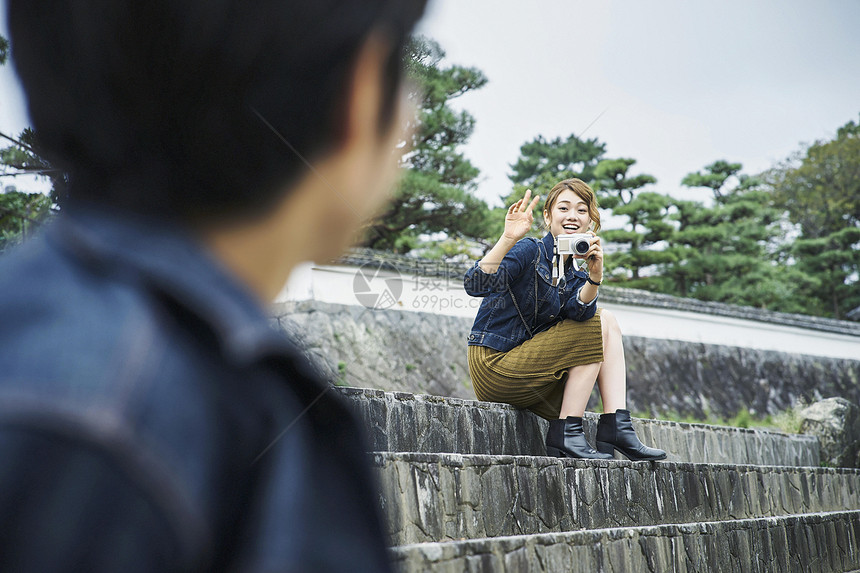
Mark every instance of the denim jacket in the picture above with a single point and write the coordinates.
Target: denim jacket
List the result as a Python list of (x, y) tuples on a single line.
[(151, 419), (519, 299)]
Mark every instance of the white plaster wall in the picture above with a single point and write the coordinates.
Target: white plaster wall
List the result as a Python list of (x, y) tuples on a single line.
[(340, 285)]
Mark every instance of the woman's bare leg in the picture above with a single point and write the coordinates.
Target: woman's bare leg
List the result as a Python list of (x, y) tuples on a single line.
[(615, 429), (577, 389), (612, 377)]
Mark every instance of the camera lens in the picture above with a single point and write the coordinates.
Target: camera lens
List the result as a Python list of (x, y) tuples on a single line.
[(581, 246)]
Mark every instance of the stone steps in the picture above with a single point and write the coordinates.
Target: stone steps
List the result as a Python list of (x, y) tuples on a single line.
[(813, 542), (402, 422), (445, 497), (466, 486)]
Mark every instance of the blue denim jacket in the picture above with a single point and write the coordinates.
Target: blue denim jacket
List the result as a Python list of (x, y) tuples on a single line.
[(151, 419), (519, 299)]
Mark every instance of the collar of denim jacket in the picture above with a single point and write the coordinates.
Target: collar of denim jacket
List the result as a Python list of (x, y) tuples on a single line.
[(549, 244), (166, 257)]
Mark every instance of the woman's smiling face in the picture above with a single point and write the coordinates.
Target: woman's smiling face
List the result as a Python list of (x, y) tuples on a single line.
[(569, 214)]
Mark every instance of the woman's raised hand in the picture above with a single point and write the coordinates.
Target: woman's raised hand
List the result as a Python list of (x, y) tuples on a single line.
[(519, 219)]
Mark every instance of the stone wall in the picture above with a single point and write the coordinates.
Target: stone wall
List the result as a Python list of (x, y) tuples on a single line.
[(389, 350), (400, 422), (790, 543), (426, 353), (695, 378), (451, 496)]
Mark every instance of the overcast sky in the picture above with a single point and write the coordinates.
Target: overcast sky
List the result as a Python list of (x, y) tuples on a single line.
[(682, 83), (678, 84)]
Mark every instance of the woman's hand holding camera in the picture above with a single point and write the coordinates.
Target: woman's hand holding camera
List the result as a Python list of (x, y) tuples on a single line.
[(594, 256), (519, 218)]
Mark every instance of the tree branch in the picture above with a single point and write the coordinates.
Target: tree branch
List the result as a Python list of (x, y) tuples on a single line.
[(19, 143)]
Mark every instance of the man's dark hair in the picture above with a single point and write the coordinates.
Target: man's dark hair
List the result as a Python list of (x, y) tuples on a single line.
[(181, 108)]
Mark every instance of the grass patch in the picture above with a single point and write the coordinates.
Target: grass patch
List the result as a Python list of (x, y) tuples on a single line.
[(787, 421), (341, 374)]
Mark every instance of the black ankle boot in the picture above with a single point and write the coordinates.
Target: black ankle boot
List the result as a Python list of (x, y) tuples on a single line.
[(566, 439), (615, 431)]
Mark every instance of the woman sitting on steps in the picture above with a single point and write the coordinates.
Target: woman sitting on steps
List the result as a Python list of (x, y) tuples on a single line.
[(539, 342)]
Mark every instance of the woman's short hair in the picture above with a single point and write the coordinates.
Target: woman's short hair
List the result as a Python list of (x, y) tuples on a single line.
[(583, 191), (200, 110)]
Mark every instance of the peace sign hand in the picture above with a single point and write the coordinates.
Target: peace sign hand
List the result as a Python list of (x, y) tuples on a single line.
[(519, 218)]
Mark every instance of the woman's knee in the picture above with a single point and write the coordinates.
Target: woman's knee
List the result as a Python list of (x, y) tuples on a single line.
[(609, 324)]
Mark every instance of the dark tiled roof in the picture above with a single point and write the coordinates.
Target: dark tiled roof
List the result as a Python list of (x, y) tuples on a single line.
[(455, 270)]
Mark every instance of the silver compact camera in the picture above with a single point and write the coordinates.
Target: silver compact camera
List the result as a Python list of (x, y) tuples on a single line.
[(576, 244)]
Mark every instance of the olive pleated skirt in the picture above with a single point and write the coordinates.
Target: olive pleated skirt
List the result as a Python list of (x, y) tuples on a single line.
[(533, 374)]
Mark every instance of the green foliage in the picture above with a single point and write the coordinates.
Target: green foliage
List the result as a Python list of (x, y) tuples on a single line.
[(614, 185), (647, 221), (820, 192), (424, 204), (450, 249), (740, 249), (646, 224), (25, 157), (820, 188), (4, 50), (787, 421), (726, 252), (832, 264), (20, 214), (541, 165), (436, 193), (714, 178), (341, 374), (743, 419)]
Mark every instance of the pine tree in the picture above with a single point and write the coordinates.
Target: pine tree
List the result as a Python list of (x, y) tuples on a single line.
[(647, 224), (436, 193), (728, 252), (820, 191), (544, 163)]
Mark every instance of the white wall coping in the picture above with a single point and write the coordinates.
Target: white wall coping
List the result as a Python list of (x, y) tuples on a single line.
[(396, 292)]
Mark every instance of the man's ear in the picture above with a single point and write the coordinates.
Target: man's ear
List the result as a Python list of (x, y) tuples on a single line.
[(364, 94)]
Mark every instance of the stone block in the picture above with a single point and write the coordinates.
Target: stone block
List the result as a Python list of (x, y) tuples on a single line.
[(836, 423), (433, 497), (406, 422), (819, 542)]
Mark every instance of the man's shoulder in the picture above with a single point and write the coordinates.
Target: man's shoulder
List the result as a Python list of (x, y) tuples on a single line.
[(97, 360), (75, 338), (91, 378)]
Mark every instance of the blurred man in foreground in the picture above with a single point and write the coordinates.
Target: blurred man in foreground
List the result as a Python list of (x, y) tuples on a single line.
[(150, 418)]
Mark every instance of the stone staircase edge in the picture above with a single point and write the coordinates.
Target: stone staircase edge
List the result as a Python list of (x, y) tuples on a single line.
[(461, 402), (474, 460), (631, 531)]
